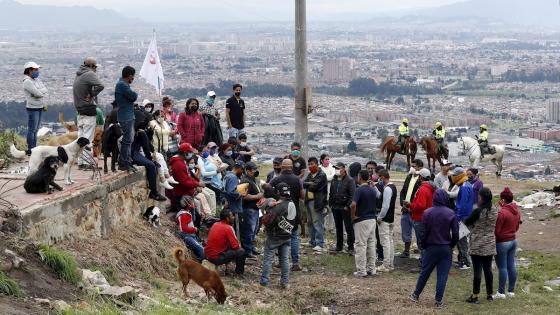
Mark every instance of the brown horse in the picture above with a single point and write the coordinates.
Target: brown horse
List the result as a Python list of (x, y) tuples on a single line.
[(433, 152), (390, 148)]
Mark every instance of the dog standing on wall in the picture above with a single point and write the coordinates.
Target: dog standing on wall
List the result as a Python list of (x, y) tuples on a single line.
[(67, 154), (110, 147), (42, 180)]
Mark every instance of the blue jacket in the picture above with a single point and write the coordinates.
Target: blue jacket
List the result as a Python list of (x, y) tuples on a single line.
[(209, 173), (465, 201), (230, 193), (439, 221), (125, 98)]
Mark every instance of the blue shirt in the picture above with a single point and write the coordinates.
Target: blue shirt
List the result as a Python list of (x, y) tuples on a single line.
[(365, 198), (230, 193), (125, 98), (465, 200)]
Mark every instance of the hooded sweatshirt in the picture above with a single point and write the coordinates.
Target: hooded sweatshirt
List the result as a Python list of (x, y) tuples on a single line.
[(422, 201), (191, 128), (187, 183), (35, 91), (439, 220), (507, 223), (86, 84), (464, 202)]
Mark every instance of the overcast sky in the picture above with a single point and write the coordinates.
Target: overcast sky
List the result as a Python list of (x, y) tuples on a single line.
[(251, 10)]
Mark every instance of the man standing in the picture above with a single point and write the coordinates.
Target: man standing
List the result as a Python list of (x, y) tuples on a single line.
[(340, 200), (441, 180), (85, 89), (385, 220), (276, 169), (235, 112), (363, 217), (440, 236), (222, 246), (463, 209), (250, 209), (297, 160), (296, 193), (212, 129), (125, 98), (315, 185), (411, 185), (232, 196), (422, 201)]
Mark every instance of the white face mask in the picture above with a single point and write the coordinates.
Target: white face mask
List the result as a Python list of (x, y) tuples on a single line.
[(160, 120), (337, 172)]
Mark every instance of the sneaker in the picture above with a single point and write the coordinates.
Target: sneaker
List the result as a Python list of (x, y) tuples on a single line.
[(510, 295), (372, 274), (251, 256), (132, 168), (318, 249), (499, 296), (335, 249), (285, 286), (296, 268), (359, 274), (440, 305), (489, 298), (464, 267), (308, 244), (351, 252), (383, 268), (472, 300), (172, 180), (157, 197), (405, 255), (413, 297), (166, 185)]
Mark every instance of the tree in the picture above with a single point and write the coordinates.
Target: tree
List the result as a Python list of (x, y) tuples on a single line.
[(362, 87)]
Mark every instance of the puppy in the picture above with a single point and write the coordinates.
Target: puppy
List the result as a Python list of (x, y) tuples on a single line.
[(207, 279), (67, 154), (152, 214), (42, 180), (110, 147)]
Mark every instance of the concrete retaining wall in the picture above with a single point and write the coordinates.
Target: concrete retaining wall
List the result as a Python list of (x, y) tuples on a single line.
[(91, 212)]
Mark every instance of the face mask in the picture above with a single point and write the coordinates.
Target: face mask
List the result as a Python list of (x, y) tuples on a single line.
[(149, 109), (35, 74), (412, 170), (212, 151), (326, 163), (229, 153), (193, 108), (313, 169), (277, 169), (210, 101), (192, 166), (256, 174), (205, 155), (237, 94), (160, 120), (190, 156), (337, 172), (296, 153)]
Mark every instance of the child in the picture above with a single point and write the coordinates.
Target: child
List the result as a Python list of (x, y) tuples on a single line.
[(187, 230)]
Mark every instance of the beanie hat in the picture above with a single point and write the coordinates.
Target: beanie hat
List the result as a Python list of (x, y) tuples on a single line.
[(506, 195)]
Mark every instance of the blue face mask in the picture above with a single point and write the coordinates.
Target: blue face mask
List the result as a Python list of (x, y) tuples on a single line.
[(35, 74), (210, 101), (212, 151), (205, 155)]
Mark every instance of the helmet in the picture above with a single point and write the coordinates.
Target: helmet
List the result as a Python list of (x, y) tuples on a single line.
[(438, 124), (483, 126), (405, 120)]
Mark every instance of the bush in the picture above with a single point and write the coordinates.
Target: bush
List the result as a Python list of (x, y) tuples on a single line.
[(61, 262), (9, 286)]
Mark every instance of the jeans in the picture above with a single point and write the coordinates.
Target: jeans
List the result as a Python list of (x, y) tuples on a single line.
[(406, 227), (86, 129), (234, 132), (294, 245), (248, 227), (505, 261), (315, 224), (435, 256), (33, 123), (386, 238), (128, 136), (365, 246), (342, 220), (230, 255), (463, 248), (270, 248), (151, 172), (419, 234), (482, 263), (191, 241)]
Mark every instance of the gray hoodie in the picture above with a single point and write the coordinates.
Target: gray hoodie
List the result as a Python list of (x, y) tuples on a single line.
[(86, 85), (35, 91)]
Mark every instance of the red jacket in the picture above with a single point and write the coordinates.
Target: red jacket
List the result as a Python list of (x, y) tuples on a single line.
[(191, 128), (220, 238), (184, 222), (507, 223), (187, 183), (422, 201)]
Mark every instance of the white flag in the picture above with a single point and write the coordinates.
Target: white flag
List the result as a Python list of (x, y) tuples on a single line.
[(151, 70)]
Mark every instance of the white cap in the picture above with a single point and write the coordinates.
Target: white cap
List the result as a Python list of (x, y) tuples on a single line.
[(445, 162), (31, 64), (425, 173), (146, 102), (211, 93)]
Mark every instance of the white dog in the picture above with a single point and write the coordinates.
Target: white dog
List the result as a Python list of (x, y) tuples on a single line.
[(67, 154)]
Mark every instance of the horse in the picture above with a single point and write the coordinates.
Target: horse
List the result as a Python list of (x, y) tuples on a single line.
[(390, 148), (433, 152), (472, 151)]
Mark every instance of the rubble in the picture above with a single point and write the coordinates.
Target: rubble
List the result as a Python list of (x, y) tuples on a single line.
[(553, 283), (15, 260), (60, 306), (94, 281), (538, 199)]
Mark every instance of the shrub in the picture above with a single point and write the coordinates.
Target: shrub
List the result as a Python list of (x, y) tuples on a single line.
[(61, 262), (9, 286)]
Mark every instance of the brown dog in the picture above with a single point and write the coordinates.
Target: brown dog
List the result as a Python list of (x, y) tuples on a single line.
[(68, 137), (207, 279)]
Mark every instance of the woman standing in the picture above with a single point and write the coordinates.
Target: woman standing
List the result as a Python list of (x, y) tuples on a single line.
[(190, 124), (482, 223), (162, 132), (329, 170), (507, 226), (35, 91), (168, 113)]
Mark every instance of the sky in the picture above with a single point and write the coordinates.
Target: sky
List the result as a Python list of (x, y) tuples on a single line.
[(250, 10)]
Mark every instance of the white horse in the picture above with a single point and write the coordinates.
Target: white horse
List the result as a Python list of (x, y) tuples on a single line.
[(472, 151)]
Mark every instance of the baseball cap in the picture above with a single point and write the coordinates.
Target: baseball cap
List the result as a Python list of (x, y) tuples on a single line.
[(211, 93), (187, 147), (239, 164), (283, 189), (212, 144), (277, 160), (458, 171), (250, 166), (425, 173), (31, 64), (446, 162), (339, 165)]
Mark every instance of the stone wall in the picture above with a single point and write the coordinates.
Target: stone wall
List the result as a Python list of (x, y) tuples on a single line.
[(91, 212)]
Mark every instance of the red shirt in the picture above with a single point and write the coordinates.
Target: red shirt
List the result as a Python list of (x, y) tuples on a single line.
[(191, 128), (220, 238), (422, 201), (184, 222), (187, 183)]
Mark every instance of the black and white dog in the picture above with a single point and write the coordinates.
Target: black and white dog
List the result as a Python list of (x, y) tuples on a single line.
[(110, 147), (67, 154), (152, 214), (42, 180)]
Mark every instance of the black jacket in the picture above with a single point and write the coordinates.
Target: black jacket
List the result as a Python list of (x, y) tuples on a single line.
[(294, 183), (342, 192), (278, 230), (212, 130), (405, 188), (318, 186)]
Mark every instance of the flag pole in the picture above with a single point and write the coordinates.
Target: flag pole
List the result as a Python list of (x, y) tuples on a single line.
[(158, 93)]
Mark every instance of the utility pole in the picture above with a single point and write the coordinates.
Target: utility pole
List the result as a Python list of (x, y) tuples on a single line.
[(301, 128)]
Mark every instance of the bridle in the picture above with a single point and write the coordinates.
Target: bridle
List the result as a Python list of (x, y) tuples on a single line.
[(468, 151)]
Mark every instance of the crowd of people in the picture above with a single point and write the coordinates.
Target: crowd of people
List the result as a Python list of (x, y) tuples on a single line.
[(214, 184)]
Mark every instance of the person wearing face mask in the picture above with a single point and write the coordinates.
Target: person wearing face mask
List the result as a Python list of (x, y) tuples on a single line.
[(35, 92), (276, 169), (162, 132), (209, 171), (190, 124), (235, 112), (226, 155), (212, 129), (297, 160), (250, 218), (233, 198), (180, 165), (340, 199), (125, 98), (472, 174), (244, 150), (214, 157), (315, 185), (408, 191), (168, 114), (328, 169)]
